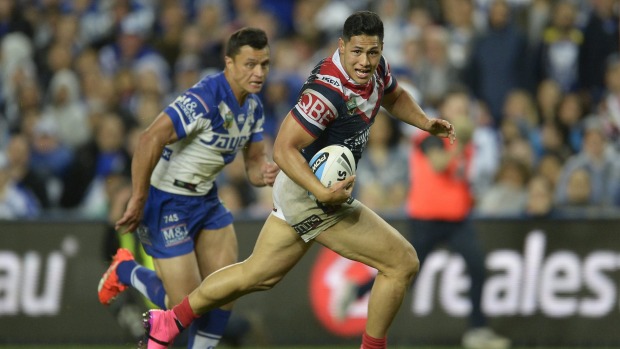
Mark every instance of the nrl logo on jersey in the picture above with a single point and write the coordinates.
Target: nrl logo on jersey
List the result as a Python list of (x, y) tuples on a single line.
[(228, 119), (351, 106)]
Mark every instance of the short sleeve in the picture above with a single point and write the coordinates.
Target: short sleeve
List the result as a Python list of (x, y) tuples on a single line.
[(189, 112)]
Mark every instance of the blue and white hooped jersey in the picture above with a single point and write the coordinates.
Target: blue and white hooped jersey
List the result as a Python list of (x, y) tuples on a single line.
[(335, 109), (211, 127)]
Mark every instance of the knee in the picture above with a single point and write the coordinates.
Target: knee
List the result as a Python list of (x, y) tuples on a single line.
[(412, 264), (403, 265)]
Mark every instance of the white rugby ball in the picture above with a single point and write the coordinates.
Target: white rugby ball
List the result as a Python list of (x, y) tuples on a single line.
[(332, 164)]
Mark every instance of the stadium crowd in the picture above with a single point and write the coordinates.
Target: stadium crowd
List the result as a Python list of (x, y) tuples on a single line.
[(539, 82)]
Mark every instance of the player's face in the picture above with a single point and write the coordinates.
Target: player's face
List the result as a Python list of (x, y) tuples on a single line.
[(360, 56), (248, 69)]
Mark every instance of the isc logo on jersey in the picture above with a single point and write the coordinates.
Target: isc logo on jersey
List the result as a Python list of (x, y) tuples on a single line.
[(187, 106), (316, 108)]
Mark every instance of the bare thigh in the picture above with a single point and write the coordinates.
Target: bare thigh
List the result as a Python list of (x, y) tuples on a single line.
[(277, 250), (216, 249), (180, 275), (213, 250), (367, 238)]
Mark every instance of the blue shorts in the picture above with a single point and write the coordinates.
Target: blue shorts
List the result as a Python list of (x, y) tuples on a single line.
[(171, 222)]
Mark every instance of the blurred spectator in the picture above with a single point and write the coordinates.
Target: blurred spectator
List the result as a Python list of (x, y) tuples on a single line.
[(459, 22), (539, 199), (552, 140), (147, 108), (599, 162), (66, 111), (212, 28), (383, 171), (550, 167), (548, 95), (570, 116), (507, 197), (523, 151), (29, 102), (58, 54), (278, 98), (557, 56), (601, 39), (15, 203), (436, 73), (130, 50), (497, 63), (17, 66), (439, 205), (485, 140), (578, 189), (170, 27), (93, 162), (18, 156), (187, 71), (12, 19), (330, 14), (412, 54), (49, 158), (610, 106), (536, 20), (519, 106)]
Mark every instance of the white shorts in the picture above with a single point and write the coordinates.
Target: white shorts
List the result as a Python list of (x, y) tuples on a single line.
[(293, 204)]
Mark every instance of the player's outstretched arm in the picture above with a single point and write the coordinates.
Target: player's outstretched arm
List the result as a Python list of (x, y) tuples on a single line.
[(402, 106)]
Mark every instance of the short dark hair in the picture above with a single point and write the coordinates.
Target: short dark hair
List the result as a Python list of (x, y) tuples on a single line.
[(254, 37), (363, 23)]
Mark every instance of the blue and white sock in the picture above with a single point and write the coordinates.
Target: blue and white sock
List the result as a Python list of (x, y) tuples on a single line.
[(144, 280), (207, 331)]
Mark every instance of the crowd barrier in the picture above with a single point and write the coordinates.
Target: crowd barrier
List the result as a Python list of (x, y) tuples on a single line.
[(550, 282)]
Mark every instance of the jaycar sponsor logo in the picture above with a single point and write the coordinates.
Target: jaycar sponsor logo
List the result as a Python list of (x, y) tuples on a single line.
[(32, 283)]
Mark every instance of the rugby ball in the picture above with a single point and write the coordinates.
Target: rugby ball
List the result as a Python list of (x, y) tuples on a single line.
[(332, 164)]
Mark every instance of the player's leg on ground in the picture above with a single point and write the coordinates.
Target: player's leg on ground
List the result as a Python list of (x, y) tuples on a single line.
[(215, 249), (365, 237)]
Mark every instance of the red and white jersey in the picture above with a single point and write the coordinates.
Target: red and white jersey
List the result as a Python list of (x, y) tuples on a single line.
[(335, 109)]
